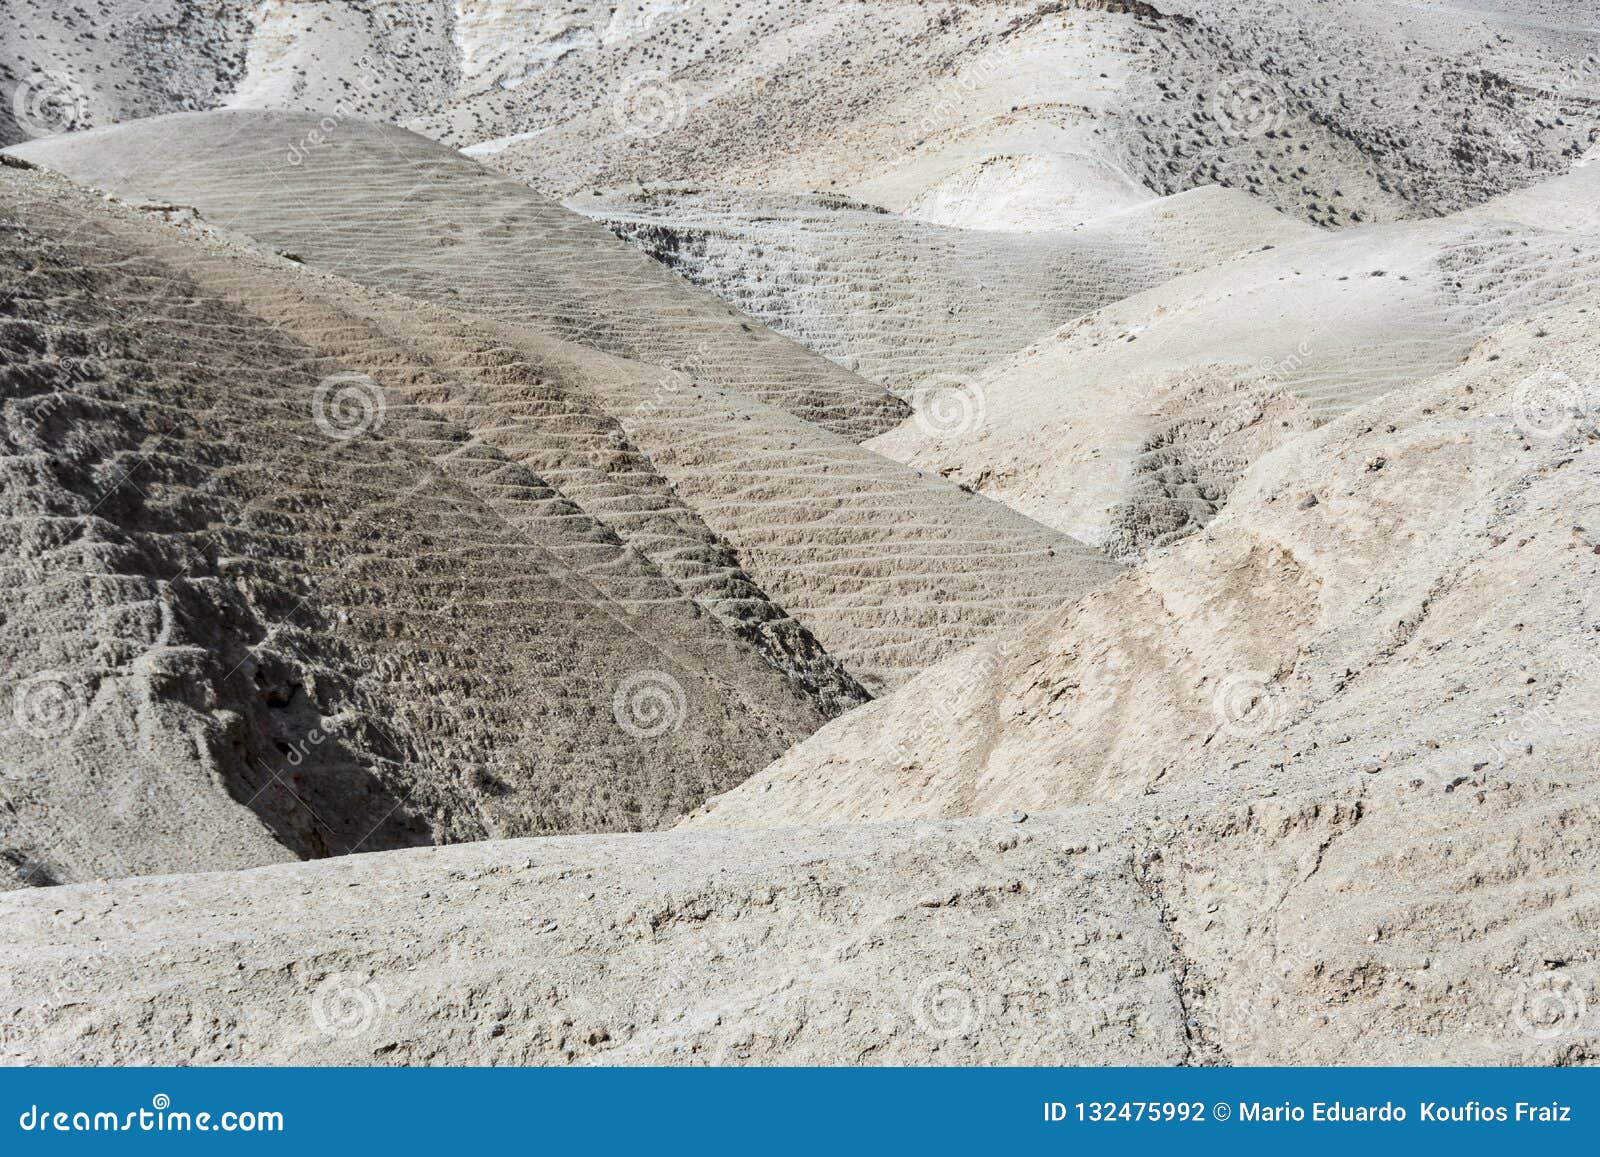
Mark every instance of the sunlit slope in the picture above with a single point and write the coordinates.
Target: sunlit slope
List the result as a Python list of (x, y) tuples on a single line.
[(1403, 593), (998, 115), (1128, 428), (392, 210), (915, 305)]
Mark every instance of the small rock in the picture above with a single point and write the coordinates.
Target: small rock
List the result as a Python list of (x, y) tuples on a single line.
[(1018, 817), (1307, 502)]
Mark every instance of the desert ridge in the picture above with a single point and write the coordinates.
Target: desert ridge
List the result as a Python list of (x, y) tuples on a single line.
[(773, 534)]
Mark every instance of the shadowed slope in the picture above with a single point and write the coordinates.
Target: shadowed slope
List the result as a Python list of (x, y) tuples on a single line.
[(889, 568), (633, 536), (261, 605)]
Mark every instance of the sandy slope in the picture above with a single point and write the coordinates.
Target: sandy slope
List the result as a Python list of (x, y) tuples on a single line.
[(1128, 428), (1406, 592), (910, 304), (1333, 110), (392, 210), (1312, 780), (1367, 923), (262, 606), (806, 946), (889, 567)]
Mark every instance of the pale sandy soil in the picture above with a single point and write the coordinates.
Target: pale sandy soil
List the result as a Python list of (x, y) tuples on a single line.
[(917, 306), (775, 533)]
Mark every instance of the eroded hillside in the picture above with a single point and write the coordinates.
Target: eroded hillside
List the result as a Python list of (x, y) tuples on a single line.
[(1074, 541)]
